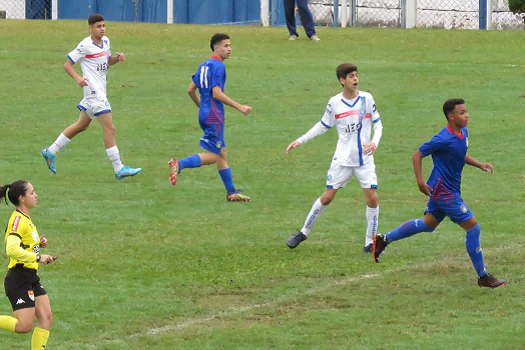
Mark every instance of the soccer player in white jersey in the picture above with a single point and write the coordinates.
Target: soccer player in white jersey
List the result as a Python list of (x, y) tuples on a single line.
[(94, 55), (354, 114)]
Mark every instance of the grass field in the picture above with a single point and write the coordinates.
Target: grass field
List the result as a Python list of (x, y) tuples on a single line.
[(145, 265)]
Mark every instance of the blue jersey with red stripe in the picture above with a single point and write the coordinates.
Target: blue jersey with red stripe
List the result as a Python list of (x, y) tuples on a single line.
[(211, 73), (448, 152)]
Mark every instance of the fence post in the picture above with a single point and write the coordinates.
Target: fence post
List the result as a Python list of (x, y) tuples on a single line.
[(344, 13), (410, 13), (489, 14), (169, 16), (54, 9), (482, 14), (336, 13), (353, 13), (265, 13)]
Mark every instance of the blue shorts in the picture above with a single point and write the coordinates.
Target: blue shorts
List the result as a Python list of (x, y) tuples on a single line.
[(213, 138), (454, 207)]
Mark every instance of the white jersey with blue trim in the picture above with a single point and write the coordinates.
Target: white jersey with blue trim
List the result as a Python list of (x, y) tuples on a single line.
[(354, 120), (94, 61)]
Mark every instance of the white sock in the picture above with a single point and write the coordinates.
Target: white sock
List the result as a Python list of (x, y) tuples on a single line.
[(114, 156), (372, 221), (59, 143), (316, 211)]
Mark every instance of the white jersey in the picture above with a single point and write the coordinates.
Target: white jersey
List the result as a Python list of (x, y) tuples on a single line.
[(94, 61), (353, 119)]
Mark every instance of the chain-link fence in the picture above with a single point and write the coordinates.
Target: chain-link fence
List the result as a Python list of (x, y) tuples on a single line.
[(448, 14), (26, 9), (322, 11), (378, 13), (502, 18)]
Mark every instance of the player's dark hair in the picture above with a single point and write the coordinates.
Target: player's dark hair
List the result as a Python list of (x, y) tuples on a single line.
[(344, 69), (450, 104), (16, 189), (216, 39), (95, 18)]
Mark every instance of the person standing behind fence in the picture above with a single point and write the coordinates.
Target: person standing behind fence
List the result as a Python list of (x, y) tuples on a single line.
[(306, 18)]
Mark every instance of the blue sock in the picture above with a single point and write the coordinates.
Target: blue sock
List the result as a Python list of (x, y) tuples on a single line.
[(409, 228), (226, 176), (474, 250), (193, 161)]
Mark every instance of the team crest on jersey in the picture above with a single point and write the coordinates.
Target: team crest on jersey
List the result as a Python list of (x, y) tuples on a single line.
[(329, 177), (463, 208), (106, 103), (31, 295)]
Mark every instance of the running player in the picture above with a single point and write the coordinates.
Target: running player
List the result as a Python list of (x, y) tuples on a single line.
[(210, 80), (449, 153), (94, 55)]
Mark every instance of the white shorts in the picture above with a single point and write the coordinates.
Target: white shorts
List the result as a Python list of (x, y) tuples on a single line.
[(94, 106), (339, 175)]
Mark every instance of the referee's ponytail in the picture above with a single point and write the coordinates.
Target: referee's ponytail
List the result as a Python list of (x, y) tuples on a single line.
[(16, 189)]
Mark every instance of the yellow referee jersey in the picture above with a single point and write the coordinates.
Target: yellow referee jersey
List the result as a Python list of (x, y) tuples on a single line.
[(22, 241)]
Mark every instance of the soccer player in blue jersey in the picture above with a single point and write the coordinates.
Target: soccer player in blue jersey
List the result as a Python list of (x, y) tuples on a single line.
[(449, 154), (210, 80)]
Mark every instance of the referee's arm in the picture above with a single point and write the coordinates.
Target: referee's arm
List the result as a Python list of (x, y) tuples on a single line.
[(15, 251)]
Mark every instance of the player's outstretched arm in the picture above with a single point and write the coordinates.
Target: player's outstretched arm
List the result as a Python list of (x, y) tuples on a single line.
[(417, 162), (487, 167), (192, 92), (120, 57), (81, 81), (219, 95)]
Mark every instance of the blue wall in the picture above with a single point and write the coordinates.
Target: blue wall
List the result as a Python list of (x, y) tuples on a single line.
[(114, 10), (184, 11)]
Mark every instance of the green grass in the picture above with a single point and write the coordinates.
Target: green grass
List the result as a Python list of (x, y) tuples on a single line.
[(144, 265)]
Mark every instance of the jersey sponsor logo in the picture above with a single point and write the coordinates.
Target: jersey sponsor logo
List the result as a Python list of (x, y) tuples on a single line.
[(31, 295), (20, 301), (16, 221), (352, 113), (97, 55)]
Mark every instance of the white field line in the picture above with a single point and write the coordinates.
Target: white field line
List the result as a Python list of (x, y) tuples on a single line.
[(237, 310)]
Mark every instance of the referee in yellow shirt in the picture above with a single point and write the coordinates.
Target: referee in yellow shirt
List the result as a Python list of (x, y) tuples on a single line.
[(22, 285)]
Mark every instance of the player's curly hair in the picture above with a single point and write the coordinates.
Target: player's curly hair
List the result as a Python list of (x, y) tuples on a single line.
[(216, 40), (344, 69), (450, 104), (16, 189)]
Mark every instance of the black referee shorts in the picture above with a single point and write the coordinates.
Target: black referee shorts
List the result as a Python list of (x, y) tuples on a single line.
[(22, 286)]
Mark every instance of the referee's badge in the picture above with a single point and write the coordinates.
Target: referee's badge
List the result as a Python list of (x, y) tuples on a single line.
[(31, 295)]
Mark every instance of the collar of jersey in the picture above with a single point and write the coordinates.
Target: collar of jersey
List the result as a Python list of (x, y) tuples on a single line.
[(452, 132), (351, 105), (27, 216)]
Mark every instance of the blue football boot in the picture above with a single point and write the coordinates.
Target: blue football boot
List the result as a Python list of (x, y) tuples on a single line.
[(127, 171), (50, 160)]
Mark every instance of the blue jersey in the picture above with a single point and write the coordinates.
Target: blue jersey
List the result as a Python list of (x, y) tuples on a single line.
[(211, 73), (448, 152)]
